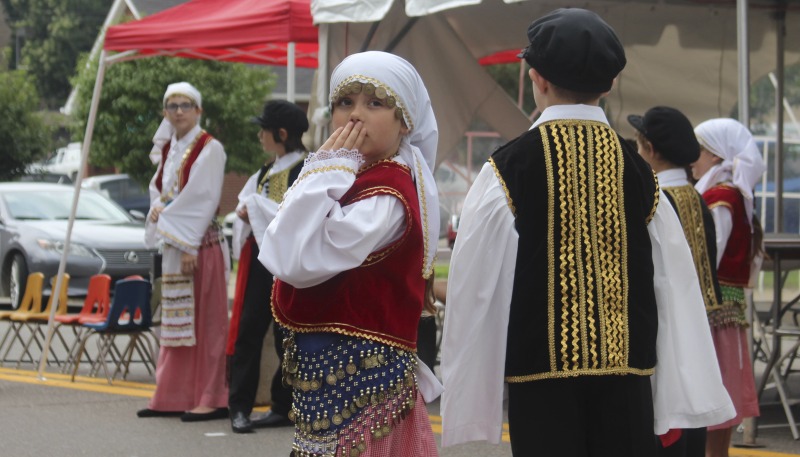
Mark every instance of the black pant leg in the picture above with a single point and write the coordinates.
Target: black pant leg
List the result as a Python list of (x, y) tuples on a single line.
[(695, 442), (253, 324), (426, 341), (281, 395)]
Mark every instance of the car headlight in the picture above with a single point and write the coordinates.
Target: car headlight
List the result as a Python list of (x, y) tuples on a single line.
[(58, 246)]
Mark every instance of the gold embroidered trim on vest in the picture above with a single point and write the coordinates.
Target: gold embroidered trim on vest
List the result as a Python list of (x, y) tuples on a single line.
[(381, 254), (334, 327), (427, 270), (503, 184), (687, 204), (656, 198), (721, 203), (575, 373), (278, 183), (590, 271), (167, 194)]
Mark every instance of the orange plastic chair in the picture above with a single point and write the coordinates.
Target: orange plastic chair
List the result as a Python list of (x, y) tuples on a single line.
[(95, 309), (95, 305), (34, 320), (31, 303)]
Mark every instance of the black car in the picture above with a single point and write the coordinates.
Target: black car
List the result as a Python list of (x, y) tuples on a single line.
[(121, 188)]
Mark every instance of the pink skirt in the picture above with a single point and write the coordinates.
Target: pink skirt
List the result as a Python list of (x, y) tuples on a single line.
[(733, 355), (192, 376), (412, 437)]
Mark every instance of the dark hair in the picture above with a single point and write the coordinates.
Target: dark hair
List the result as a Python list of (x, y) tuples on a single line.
[(575, 96), (294, 140), (758, 239)]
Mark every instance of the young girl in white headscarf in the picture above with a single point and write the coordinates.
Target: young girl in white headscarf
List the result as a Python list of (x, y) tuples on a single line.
[(350, 248), (727, 170)]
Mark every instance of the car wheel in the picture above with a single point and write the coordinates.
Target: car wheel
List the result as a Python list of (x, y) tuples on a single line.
[(17, 280)]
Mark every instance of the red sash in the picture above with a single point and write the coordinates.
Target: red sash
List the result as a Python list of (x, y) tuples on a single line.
[(202, 140), (245, 257)]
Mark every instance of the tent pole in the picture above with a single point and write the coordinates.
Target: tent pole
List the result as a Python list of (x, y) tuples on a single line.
[(780, 31), (290, 72), (320, 132), (749, 423), (372, 29), (62, 266)]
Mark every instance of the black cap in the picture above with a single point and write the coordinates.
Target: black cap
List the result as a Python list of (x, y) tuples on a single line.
[(670, 132), (281, 114), (575, 49)]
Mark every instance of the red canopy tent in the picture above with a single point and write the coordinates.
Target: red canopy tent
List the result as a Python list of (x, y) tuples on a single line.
[(250, 31), (268, 32)]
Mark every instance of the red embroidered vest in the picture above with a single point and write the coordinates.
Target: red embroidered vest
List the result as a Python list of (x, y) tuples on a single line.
[(734, 268), (188, 161), (382, 299)]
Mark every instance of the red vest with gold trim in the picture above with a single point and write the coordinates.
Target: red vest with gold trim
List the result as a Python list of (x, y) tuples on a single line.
[(734, 268), (186, 166), (380, 300)]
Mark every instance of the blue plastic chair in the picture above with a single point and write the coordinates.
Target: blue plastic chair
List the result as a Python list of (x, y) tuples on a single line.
[(129, 315)]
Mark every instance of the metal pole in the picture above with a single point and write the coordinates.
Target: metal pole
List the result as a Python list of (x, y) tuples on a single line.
[(290, 72), (62, 266), (743, 49), (780, 31)]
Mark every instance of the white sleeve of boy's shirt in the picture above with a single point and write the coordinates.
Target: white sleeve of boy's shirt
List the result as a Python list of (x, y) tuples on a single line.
[(687, 384), (479, 287)]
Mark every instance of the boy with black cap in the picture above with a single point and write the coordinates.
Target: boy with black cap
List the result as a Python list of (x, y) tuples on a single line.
[(282, 126), (666, 140), (558, 280)]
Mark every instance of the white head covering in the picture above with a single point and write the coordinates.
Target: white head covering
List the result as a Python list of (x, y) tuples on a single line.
[(418, 147), (165, 129), (185, 89), (741, 160)]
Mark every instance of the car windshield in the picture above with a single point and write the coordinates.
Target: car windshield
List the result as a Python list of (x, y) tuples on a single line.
[(56, 205)]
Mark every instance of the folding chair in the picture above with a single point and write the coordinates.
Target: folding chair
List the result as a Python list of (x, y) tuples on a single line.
[(31, 303), (95, 309), (131, 298), (35, 320)]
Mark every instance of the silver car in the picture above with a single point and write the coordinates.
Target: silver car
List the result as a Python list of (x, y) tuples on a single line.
[(33, 224)]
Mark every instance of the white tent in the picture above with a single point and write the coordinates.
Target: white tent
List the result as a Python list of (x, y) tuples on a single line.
[(682, 54)]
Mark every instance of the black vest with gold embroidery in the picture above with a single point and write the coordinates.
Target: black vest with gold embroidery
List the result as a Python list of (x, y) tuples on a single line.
[(277, 184), (583, 301), (698, 227)]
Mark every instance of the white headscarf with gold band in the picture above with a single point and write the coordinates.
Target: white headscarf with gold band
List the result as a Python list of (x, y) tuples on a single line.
[(418, 148), (165, 129), (741, 160)]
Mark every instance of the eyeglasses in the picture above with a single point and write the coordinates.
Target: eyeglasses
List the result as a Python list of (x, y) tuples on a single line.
[(185, 106)]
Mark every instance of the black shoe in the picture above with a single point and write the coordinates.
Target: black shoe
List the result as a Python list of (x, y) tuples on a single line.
[(147, 412), (240, 422), (271, 419), (219, 413)]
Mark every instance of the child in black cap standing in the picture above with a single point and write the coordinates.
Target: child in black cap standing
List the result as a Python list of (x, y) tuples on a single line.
[(557, 281), (666, 140), (282, 125)]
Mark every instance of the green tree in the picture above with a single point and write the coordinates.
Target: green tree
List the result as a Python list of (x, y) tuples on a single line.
[(507, 77), (762, 100), (24, 137), (56, 33), (130, 109)]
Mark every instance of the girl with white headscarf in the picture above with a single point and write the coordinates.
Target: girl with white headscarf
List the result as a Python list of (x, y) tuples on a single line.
[(351, 248), (727, 171)]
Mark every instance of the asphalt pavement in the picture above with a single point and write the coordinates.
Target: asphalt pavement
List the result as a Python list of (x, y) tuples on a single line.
[(89, 417)]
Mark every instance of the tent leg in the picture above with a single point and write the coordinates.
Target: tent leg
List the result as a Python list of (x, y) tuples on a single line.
[(62, 266)]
